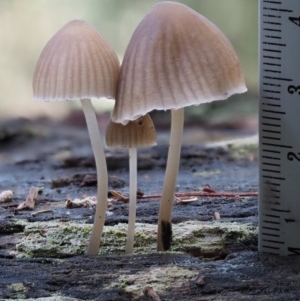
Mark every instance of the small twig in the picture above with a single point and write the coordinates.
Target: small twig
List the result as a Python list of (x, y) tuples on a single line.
[(33, 214), (203, 194), (184, 200), (121, 197), (149, 291)]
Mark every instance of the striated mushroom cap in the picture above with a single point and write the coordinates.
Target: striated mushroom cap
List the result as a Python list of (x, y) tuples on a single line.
[(76, 63), (137, 133), (175, 58)]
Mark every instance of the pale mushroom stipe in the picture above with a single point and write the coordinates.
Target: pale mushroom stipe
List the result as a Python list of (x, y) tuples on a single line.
[(135, 134), (175, 58), (78, 63)]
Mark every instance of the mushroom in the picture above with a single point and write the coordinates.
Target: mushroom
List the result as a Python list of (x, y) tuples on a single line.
[(137, 133), (78, 63), (175, 58)]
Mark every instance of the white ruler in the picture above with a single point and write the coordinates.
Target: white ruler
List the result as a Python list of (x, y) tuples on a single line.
[(279, 200)]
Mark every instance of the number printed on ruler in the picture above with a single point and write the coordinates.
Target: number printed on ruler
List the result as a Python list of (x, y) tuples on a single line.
[(279, 121)]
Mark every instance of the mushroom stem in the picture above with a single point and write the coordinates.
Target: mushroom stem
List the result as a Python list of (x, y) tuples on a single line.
[(164, 233), (102, 178), (132, 199)]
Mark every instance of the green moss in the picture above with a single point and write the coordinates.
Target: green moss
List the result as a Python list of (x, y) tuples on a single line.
[(17, 291), (56, 239), (17, 287), (14, 226), (205, 174), (157, 277)]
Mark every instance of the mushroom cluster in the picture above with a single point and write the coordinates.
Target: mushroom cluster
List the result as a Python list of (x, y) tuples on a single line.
[(175, 58)]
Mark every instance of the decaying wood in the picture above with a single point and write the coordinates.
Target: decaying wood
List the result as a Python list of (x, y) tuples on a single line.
[(43, 256)]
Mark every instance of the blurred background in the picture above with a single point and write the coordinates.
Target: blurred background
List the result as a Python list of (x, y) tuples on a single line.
[(26, 26)]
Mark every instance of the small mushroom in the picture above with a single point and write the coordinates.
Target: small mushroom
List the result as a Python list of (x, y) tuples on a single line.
[(175, 58), (78, 63), (137, 133)]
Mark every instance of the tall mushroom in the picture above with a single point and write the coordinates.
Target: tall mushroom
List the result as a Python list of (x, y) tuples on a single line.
[(78, 63), (175, 58), (137, 133)]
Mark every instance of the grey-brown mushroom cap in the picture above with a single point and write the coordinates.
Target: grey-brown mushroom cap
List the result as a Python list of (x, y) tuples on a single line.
[(175, 58), (137, 133), (76, 63)]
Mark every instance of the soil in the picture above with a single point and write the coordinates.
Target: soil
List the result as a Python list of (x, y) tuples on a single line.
[(42, 250)]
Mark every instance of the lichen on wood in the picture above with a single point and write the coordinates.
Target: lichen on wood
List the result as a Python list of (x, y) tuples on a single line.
[(64, 239)]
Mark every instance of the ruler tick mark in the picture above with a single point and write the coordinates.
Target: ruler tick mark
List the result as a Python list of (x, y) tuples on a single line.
[(272, 91), (271, 158), (273, 37), (275, 2), (278, 9), (271, 124), (275, 44), (275, 190), (271, 29), (272, 57), (272, 71), (271, 50), (274, 241), (275, 178), (271, 151), (272, 16), (280, 210), (271, 64), (271, 105), (272, 138), (269, 84), (273, 23), (271, 164), (279, 78), (271, 170), (271, 98), (272, 215), (272, 235), (277, 145), (269, 222), (274, 132), (268, 228), (274, 112), (269, 247), (271, 118), (289, 220), (272, 183)]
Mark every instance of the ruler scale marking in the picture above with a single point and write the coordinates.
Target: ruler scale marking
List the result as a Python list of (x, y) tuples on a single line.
[(279, 201)]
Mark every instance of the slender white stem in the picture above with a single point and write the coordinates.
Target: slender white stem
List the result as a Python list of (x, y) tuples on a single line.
[(132, 199), (102, 178), (166, 202)]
